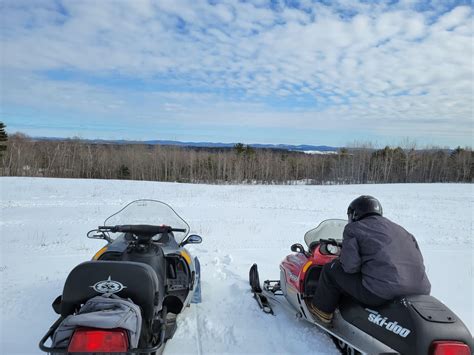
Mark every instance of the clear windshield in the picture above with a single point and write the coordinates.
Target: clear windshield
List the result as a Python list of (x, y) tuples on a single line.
[(149, 212), (330, 228)]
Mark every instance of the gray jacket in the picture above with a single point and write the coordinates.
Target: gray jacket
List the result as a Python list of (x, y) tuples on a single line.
[(387, 256)]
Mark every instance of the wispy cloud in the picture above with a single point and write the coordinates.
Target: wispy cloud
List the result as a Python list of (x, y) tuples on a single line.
[(395, 70)]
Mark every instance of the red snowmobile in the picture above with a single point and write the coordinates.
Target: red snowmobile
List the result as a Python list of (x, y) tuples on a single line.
[(417, 324)]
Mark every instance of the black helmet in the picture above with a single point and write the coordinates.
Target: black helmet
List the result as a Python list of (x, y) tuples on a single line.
[(363, 206)]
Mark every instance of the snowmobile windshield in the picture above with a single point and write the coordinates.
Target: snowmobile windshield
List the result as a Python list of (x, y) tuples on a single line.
[(150, 212), (330, 228)]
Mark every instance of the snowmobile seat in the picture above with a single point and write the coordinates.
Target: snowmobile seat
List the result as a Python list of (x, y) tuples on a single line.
[(126, 279)]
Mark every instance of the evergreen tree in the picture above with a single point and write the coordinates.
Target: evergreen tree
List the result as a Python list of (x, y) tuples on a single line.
[(123, 172), (249, 151), (239, 148), (3, 139)]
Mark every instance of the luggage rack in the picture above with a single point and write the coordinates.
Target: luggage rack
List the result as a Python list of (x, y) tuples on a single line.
[(155, 350)]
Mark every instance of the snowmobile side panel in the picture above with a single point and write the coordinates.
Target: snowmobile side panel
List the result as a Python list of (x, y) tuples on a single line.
[(340, 328), (380, 322), (173, 250), (289, 290), (399, 324), (348, 333), (181, 284), (292, 266), (298, 266)]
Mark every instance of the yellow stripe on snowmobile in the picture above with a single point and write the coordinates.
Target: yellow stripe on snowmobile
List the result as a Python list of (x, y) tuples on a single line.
[(99, 253), (186, 256), (307, 265)]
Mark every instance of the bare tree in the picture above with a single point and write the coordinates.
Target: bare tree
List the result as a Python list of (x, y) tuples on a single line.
[(358, 164)]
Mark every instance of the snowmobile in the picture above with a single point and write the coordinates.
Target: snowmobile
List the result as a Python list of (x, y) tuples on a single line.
[(417, 324), (126, 299)]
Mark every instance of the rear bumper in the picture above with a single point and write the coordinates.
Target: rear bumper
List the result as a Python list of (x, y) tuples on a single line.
[(155, 350)]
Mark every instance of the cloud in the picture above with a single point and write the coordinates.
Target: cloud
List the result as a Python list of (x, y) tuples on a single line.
[(393, 69)]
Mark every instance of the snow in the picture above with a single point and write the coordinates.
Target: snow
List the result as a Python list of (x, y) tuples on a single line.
[(44, 221), (318, 152)]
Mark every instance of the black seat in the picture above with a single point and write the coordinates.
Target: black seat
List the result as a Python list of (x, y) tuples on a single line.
[(140, 284)]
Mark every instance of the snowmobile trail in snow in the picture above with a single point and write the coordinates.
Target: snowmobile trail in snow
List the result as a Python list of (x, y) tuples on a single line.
[(198, 332)]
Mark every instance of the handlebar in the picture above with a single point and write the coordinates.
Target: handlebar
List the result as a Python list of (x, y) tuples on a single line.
[(332, 241), (140, 229)]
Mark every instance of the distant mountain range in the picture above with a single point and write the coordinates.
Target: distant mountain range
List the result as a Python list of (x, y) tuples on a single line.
[(301, 148)]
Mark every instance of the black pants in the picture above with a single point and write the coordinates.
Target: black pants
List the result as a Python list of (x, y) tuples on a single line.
[(334, 282)]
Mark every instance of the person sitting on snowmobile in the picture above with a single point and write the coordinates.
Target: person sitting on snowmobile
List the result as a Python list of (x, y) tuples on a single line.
[(379, 261)]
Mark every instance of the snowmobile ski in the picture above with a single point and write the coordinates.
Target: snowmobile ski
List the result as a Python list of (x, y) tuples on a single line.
[(197, 292), (261, 299)]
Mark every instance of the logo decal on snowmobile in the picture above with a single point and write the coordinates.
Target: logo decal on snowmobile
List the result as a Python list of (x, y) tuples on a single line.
[(376, 318), (292, 276), (108, 286)]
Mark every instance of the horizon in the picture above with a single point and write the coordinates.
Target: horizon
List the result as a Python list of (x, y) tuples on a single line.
[(300, 72), (404, 144)]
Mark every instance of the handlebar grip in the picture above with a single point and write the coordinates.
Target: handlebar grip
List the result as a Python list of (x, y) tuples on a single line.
[(178, 230)]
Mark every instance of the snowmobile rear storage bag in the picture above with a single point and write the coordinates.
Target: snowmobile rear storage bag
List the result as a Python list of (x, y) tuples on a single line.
[(106, 312)]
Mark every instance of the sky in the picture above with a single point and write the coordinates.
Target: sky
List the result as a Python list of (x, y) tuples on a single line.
[(260, 71)]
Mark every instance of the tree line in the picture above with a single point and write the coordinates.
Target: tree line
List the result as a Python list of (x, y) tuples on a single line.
[(75, 158)]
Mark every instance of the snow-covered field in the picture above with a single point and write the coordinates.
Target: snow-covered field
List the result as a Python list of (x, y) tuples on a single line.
[(44, 221)]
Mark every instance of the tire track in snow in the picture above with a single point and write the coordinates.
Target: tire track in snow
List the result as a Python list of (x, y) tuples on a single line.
[(198, 329)]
